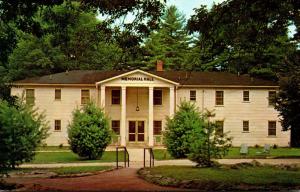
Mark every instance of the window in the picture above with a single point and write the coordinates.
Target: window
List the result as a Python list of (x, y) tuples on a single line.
[(246, 97), (115, 126), (272, 96), (57, 94), (115, 97), (192, 95), (57, 125), (157, 97), (157, 127), (30, 96), (219, 127), (219, 97), (272, 128), (85, 96), (246, 126)]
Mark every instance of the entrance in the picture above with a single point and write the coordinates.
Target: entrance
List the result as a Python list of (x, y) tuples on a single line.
[(136, 131)]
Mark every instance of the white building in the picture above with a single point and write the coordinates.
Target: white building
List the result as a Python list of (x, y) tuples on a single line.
[(138, 102)]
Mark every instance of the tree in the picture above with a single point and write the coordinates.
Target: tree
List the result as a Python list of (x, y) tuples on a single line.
[(245, 36), (89, 132), (208, 142), (22, 129), (288, 99), (170, 43), (180, 128)]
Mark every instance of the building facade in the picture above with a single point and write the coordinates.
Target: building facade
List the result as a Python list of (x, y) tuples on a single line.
[(137, 103)]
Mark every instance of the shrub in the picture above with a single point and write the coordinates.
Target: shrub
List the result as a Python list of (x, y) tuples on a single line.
[(89, 132), (179, 129), (22, 129), (207, 142)]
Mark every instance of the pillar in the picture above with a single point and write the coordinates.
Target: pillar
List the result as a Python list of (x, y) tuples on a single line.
[(172, 107), (123, 116), (150, 117)]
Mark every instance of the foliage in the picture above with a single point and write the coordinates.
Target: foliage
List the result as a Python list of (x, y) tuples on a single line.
[(208, 142), (180, 128), (89, 132), (244, 36), (288, 99), (170, 43), (22, 129)]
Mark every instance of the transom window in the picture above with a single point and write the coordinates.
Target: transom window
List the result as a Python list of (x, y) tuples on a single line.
[(272, 128), (57, 125), (219, 127), (246, 96), (246, 126), (57, 94), (193, 95), (115, 126), (30, 96), (85, 96), (272, 97), (219, 97), (116, 97), (157, 97), (157, 127)]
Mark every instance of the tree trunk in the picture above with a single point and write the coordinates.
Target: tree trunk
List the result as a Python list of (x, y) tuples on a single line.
[(295, 137)]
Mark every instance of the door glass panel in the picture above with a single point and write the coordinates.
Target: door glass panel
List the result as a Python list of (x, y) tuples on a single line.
[(141, 127), (131, 126), (140, 137), (132, 137)]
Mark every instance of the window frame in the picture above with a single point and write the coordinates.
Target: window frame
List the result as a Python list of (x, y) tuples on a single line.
[(247, 126), (157, 98), (217, 98), (271, 102), (85, 99), (246, 97), (155, 128), (55, 94), (218, 130), (272, 131), (113, 127), (116, 97), (30, 100), (192, 96), (57, 123)]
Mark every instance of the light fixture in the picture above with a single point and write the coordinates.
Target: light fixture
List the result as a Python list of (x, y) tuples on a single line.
[(137, 100)]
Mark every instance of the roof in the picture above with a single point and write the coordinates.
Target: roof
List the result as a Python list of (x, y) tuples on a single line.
[(194, 78)]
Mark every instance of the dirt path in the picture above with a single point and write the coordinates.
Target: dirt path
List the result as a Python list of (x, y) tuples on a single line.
[(117, 180)]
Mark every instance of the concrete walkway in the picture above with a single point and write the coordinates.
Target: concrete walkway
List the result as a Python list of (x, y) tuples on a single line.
[(139, 164)]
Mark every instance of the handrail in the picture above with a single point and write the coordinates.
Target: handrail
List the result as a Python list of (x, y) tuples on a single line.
[(125, 153), (151, 156)]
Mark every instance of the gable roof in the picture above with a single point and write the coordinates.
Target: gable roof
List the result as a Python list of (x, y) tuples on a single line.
[(194, 78)]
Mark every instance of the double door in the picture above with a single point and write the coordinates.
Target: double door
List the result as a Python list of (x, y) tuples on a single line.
[(136, 131)]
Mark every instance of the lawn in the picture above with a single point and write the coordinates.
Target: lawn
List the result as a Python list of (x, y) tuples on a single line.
[(234, 153), (65, 170), (70, 157), (216, 177)]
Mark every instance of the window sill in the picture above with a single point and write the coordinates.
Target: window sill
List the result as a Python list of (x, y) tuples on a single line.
[(272, 136), (245, 131), (219, 105), (246, 102), (57, 130), (58, 100)]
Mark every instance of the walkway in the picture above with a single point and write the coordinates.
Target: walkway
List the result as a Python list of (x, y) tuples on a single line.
[(117, 180)]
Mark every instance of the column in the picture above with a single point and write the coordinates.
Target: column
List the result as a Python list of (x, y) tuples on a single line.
[(150, 117), (123, 116), (172, 107), (102, 97)]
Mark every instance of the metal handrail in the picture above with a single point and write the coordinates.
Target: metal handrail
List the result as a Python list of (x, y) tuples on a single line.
[(125, 154), (151, 156)]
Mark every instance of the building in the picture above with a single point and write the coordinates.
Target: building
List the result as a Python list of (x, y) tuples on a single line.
[(138, 102)]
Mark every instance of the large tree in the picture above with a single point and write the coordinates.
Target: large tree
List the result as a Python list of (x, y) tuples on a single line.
[(170, 43), (245, 36)]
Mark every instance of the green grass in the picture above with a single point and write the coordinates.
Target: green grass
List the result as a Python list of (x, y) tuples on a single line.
[(53, 148), (234, 153), (70, 157), (65, 170), (252, 175)]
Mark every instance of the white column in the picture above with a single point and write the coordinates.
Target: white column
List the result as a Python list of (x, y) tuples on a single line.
[(102, 97), (150, 117), (123, 117), (172, 107)]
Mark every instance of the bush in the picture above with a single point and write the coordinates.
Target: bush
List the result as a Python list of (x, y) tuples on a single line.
[(89, 132), (22, 129), (207, 142), (179, 129)]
